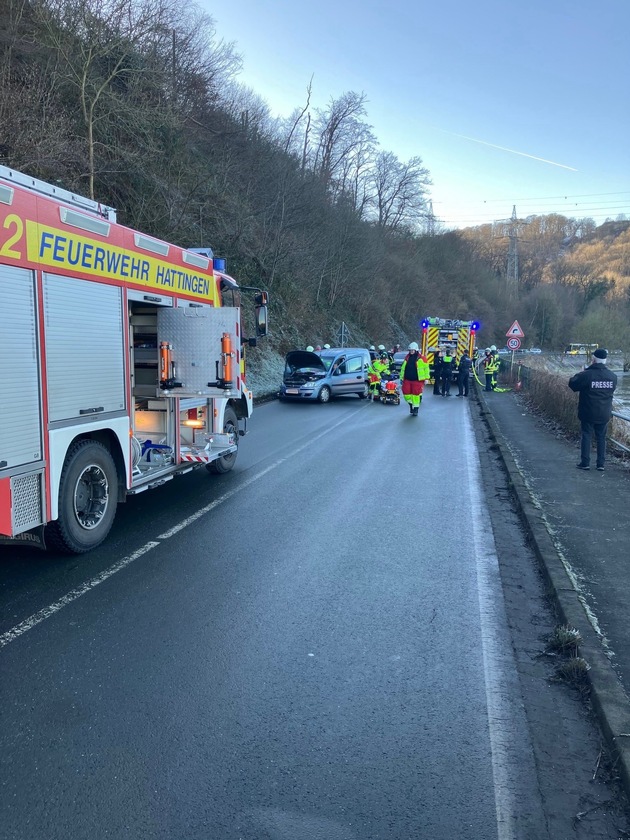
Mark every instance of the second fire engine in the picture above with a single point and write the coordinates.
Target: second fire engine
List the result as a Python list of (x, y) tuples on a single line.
[(438, 333)]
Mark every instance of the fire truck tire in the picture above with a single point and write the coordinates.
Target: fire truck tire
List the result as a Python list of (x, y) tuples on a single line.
[(324, 394), (88, 495), (230, 426)]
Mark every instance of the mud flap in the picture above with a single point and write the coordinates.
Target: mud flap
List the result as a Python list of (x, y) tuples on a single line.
[(31, 539)]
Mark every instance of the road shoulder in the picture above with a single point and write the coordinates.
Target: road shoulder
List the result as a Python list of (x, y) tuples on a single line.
[(581, 778)]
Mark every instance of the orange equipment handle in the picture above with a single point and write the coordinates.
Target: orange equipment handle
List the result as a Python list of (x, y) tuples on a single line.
[(227, 354), (165, 360)]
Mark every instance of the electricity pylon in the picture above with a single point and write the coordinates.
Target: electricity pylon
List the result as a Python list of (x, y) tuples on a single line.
[(511, 228), (430, 219)]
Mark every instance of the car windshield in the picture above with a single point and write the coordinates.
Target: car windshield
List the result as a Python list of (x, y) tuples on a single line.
[(327, 360)]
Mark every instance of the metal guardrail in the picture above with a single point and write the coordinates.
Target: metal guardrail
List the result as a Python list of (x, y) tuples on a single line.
[(616, 442), (525, 373)]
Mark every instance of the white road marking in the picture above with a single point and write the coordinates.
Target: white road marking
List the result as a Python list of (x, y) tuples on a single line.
[(500, 674), (67, 599), (71, 596)]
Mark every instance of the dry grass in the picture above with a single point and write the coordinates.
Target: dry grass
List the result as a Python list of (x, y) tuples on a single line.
[(564, 640), (573, 671)]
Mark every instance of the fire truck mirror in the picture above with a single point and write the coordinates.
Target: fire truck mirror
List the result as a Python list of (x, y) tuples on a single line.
[(261, 321)]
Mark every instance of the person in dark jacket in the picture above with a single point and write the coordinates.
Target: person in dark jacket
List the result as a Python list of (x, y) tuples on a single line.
[(437, 370), (448, 364), (596, 386), (463, 375), (413, 374)]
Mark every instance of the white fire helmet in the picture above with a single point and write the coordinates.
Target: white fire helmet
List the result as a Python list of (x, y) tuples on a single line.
[(488, 350), (310, 348), (493, 348), (326, 346), (381, 346), (413, 346)]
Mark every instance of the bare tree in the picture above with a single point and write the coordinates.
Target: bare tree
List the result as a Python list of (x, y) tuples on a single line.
[(345, 142), (400, 190), (133, 55)]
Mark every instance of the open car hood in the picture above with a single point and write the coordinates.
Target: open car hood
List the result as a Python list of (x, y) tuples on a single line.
[(298, 359), (301, 366)]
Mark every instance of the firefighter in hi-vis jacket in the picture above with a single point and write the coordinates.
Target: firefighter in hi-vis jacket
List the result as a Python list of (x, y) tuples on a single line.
[(378, 367), (490, 364), (414, 373)]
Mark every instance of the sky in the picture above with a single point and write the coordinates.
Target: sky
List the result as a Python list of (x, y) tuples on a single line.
[(508, 105)]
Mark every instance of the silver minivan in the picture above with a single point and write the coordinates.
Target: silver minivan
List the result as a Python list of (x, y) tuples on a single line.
[(325, 374)]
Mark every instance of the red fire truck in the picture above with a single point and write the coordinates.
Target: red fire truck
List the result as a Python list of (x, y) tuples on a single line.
[(121, 367)]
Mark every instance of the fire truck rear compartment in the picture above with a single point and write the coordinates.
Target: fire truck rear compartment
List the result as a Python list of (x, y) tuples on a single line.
[(159, 429)]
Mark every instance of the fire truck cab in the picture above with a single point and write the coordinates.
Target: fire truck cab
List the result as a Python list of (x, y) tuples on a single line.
[(121, 367), (440, 333)]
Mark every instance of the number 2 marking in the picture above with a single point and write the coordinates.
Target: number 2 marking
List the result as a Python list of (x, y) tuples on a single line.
[(6, 250)]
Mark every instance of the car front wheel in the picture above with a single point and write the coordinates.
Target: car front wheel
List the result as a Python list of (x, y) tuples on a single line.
[(324, 394)]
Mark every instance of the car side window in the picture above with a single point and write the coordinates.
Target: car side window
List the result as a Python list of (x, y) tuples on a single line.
[(353, 365), (340, 366)]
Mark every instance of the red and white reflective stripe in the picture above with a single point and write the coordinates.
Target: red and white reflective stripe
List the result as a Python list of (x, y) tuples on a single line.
[(196, 458)]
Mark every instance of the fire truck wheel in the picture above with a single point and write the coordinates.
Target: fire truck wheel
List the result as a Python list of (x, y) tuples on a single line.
[(324, 394), (230, 427), (88, 495)]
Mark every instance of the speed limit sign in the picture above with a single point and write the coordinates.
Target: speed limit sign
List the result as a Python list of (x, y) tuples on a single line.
[(514, 343)]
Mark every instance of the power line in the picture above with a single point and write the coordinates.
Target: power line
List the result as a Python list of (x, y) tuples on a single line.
[(578, 203), (544, 197), (602, 212), (591, 206), (478, 223)]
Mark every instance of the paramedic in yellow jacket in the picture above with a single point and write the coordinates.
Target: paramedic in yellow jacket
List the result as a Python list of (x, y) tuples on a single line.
[(414, 373), (379, 366)]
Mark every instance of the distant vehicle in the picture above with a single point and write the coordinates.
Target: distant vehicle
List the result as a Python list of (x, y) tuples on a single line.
[(580, 349), (504, 351), (328, 373), (399, 358), (535, 350)]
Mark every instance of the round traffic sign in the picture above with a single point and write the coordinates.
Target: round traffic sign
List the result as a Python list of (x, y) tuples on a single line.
[(514, 343)]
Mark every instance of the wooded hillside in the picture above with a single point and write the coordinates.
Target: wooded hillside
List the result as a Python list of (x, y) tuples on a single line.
[(136, 103)]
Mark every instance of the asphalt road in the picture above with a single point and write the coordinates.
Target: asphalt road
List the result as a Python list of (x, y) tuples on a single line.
[(312, 647)]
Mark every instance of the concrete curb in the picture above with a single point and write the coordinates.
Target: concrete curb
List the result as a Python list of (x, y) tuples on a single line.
[(610, 702), (265, 398)]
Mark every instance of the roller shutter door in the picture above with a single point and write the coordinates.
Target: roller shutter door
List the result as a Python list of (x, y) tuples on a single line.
[(20, 405), (84, 348)]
